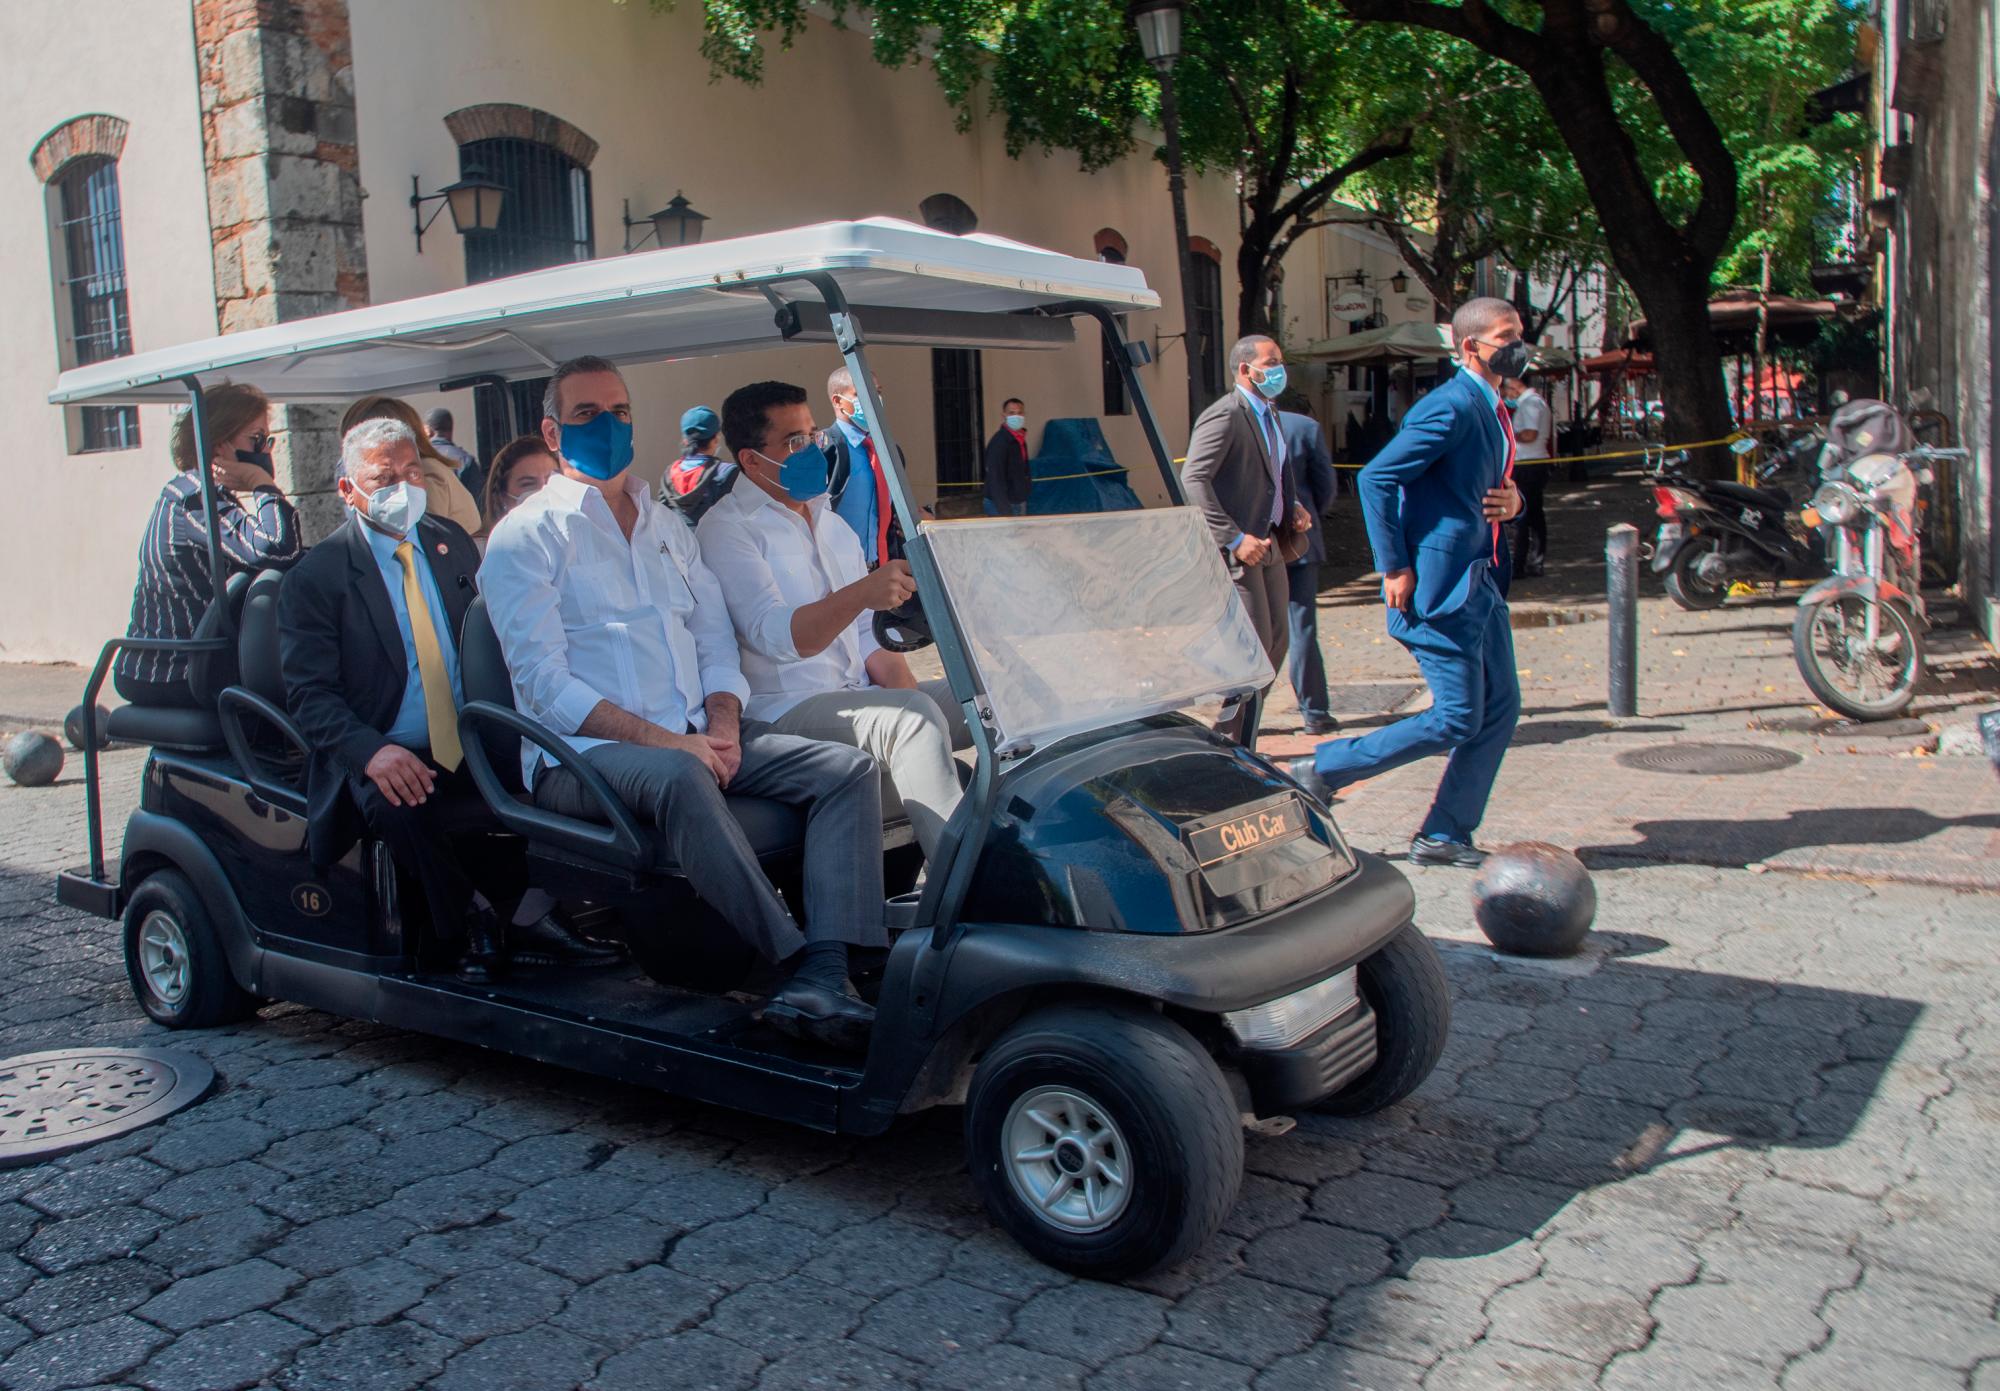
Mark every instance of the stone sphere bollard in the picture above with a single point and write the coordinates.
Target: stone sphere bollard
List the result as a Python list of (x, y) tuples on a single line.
[(33, 759), (1533, 899), (73, 728)]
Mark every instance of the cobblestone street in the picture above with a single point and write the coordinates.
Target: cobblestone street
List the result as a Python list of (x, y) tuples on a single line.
[(1745, 1141)]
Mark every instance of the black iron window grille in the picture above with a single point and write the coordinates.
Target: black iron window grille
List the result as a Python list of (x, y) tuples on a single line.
[(545, 220), (91, 241), (957, 399), (1205, 322)]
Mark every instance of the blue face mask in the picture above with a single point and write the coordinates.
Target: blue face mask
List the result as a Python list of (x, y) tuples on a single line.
[(1273, 385), (859, 419), (602, 448), (804, 475)]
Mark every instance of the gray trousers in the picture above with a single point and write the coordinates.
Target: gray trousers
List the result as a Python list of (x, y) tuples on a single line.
[(906, 733), (837, 788), (1266, 594)]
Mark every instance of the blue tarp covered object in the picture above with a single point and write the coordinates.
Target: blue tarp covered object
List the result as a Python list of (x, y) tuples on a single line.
[(1076, 446)]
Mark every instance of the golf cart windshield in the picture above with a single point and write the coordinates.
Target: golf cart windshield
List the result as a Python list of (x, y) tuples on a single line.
[(1078, 622), (1049, 626)]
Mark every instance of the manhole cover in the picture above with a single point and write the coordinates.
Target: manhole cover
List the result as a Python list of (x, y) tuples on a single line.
[(52, 1103), (1872, 729), (1371, 697), (1708, 758)]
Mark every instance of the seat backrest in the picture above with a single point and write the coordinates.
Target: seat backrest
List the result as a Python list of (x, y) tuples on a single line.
[(482, 671), (209, 672), (257, 663)]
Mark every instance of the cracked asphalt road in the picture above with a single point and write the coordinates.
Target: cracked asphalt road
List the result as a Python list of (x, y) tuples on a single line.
[(1747, 1140)]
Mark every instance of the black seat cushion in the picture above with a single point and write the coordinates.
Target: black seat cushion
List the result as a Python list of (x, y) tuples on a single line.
[(166, 727), (257, 638), (210, 672), (1770, 498)]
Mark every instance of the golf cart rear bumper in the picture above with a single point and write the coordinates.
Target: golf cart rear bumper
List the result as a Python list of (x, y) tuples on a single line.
[(1283, 1080)]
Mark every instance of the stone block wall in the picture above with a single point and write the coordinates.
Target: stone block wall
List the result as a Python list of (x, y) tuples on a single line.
[(284, 194)]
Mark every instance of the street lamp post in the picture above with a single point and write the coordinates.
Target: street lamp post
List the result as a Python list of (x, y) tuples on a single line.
[(1159, 26)]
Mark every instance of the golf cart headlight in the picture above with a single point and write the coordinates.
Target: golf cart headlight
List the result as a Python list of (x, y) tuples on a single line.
[(1293, 1018), (1836, 505)]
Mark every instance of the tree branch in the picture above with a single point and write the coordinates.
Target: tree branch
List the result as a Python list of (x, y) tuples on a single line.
[(1473, 21), (1310, 198)]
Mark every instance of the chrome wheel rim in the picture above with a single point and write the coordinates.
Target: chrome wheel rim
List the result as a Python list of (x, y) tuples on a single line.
[(1067, 1160), (163, 958)]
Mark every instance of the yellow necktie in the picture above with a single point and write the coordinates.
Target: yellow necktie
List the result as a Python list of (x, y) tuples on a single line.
[(438, 706)]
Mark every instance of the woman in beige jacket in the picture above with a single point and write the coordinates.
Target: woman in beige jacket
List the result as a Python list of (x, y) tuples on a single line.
[(444, 495)]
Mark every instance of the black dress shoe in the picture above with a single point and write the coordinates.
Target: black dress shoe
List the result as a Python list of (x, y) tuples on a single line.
[(549, 941), (482, 963), (1305, 773), (1432, 850), (804, 1009), (1322, 724)]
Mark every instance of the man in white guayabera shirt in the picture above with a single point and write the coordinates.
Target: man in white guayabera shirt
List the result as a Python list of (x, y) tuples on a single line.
[(803, 601), (617, 638)]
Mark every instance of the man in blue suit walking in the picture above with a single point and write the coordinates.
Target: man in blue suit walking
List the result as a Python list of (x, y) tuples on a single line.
[(1434, 500)]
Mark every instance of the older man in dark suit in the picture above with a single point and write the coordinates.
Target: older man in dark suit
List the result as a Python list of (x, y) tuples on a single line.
[(369, 624), (1236, 473)]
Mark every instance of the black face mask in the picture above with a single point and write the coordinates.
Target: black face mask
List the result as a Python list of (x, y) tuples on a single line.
[(1510, 360)]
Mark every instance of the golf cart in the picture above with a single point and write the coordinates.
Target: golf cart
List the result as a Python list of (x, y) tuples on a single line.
[(1135, 938)]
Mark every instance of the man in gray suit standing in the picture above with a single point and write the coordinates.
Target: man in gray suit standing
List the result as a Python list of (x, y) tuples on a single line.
[(1236, 474)]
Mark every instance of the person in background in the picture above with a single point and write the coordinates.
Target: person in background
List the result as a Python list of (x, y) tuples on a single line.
[(1436, 500), (803, 602), (437, 424), (859, 490), (519, 470), (444, 495), (1534, 431), (618, 638), (699, 427), (1008, 481), (258, 527), (1305, 446), (1237, 476)]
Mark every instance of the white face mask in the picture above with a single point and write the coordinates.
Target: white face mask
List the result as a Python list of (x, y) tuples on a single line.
[(397, 508)]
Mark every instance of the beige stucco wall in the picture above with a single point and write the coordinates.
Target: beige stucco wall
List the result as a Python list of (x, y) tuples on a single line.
[(797, 150), (72, 548)]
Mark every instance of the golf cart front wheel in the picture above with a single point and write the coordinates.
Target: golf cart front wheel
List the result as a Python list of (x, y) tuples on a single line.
[(175, 960), (1404, 983), (1104, 1140)]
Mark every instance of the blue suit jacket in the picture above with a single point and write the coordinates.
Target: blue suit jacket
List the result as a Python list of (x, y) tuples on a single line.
[(1312, 470), (1422, 497)]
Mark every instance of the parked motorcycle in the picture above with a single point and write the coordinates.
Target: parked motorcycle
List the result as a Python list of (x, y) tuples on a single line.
[(1714, 533), (1858, 637)]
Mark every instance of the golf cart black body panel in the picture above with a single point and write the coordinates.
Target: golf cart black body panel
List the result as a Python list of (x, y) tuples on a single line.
[(1156, 826)]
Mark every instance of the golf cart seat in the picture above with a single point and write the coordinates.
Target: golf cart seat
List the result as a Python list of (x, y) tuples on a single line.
[(492, 731), (195, 728), (256, 726)]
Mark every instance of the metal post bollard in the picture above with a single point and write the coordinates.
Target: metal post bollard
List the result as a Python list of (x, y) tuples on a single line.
[(1621, 586)]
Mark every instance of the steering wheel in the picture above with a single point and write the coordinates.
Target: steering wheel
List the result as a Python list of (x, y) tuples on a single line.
[(903, 629)]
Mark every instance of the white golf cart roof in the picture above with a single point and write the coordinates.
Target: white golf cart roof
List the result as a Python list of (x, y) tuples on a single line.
[(905, 284)]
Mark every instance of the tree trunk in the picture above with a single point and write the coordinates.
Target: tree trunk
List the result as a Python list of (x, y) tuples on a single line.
[(1253, 279), (1692, 387)]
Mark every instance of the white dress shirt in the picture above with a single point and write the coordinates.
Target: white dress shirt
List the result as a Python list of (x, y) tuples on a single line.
[(770, 563), (585, 616), (1531, 412)]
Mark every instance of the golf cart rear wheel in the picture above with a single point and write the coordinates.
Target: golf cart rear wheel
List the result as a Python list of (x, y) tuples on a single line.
[(175, 960), (1104, 1140), (1686, 587), (1404, 983)]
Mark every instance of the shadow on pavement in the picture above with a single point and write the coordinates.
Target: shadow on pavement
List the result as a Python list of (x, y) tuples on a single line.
[(1736, 843)]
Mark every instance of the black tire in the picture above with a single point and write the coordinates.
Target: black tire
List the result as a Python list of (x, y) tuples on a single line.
[(166, 918), (1830, 695), (1688, 589), (1404, 983), (1164, 1097)]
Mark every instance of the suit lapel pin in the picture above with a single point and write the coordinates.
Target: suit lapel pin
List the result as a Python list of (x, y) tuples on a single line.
[(443, 549)]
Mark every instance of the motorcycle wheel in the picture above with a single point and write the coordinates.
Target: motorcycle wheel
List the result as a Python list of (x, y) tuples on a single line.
[(1689, 589), (1830, 642)]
